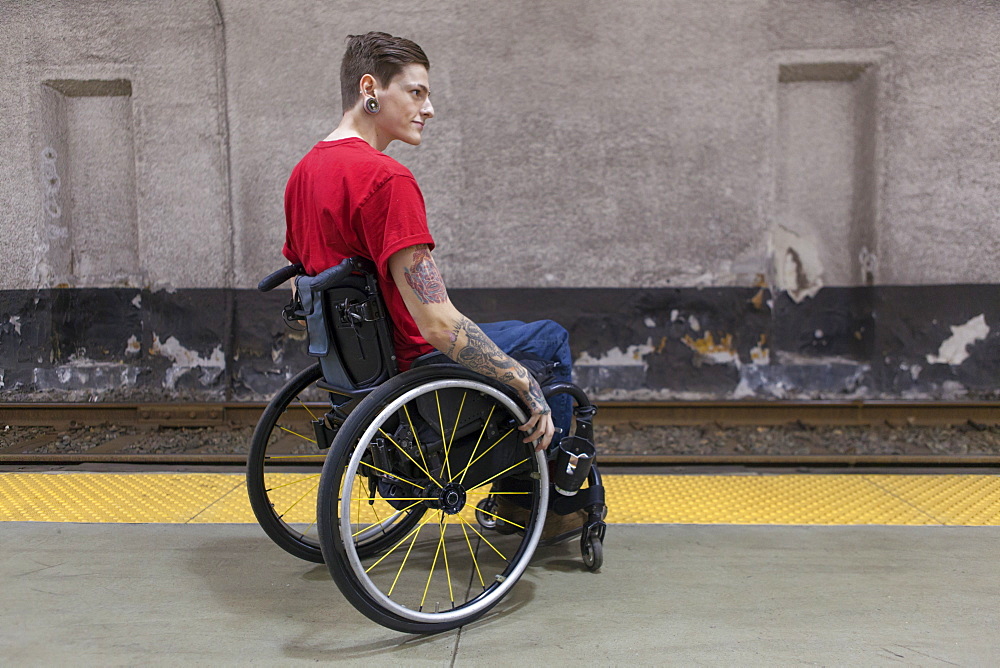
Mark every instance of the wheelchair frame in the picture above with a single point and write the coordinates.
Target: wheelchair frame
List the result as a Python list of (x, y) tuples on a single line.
[(350, 333)]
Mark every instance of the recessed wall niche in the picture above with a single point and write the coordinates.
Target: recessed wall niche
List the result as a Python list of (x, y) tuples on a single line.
[(826, 174), (88, 177)]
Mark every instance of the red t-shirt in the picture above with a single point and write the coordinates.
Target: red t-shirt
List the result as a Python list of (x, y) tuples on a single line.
[(345, 198)]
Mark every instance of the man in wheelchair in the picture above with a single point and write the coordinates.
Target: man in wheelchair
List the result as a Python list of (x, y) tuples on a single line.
[(347, 198)]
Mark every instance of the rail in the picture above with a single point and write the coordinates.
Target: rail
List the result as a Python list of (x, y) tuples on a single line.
[(51, 417)]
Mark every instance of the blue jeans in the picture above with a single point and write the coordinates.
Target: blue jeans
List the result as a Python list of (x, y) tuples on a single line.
[(548, 340)]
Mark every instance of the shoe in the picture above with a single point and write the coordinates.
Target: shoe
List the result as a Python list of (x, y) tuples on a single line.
[(557, 525), (508, 510)]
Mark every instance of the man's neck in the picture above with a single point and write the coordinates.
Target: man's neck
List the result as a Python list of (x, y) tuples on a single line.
[(351, 126)]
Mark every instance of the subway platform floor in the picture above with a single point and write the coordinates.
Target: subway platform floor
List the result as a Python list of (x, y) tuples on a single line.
[(124, 568)]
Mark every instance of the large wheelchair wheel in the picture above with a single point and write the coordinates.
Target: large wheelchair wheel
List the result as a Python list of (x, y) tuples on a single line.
[(284, 465), (441, 440)]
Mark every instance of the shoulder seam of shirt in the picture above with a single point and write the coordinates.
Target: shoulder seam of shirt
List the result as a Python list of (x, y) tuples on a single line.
[(382, 183)]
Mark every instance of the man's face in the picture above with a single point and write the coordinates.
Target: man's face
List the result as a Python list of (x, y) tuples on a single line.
[(404, 106)]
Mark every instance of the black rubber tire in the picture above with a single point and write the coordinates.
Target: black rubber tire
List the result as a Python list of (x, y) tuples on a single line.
[(284, 535), (352, 577), (593, 553)]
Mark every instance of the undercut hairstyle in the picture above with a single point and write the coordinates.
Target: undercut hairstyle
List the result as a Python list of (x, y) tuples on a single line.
[(378, 54)]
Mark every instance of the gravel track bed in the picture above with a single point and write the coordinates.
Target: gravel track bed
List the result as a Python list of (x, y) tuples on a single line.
[(798, 440), (618, 439)]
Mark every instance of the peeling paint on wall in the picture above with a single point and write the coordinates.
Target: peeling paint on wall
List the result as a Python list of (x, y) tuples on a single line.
[(107, 344), (954, 349), (186, 360), (712, 352), (761, 354), (797, 267), (81, 373), (632, 356)]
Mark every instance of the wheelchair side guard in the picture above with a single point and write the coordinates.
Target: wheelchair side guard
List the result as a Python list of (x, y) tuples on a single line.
[(347, 324)]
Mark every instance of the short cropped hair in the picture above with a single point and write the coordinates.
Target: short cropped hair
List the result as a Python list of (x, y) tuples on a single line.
[(379, 54)]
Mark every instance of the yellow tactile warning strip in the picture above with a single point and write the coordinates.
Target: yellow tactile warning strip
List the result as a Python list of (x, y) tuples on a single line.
[(824, 499)]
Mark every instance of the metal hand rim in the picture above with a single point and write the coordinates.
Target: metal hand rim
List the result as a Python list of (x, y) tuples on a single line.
[(345, 507)]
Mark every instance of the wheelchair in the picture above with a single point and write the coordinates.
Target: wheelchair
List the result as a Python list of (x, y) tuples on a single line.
[(415, 488)]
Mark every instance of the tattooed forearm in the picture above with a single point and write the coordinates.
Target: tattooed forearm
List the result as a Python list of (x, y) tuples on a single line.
[(424, 278), (453, 337), (473, 349), (482, 355)]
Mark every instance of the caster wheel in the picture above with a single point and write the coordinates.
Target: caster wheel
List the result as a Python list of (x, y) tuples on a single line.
[(593, 553), (487, 521)]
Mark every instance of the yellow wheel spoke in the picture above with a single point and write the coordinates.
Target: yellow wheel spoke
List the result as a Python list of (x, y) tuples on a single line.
[(486, 512), (447, 570), (413, 431), (495, 493), (431, 574), (311, 414), (417, 441), (395, 498), (484, 452), (289, 508), (472, 553), (391, 475), (422, 469), (295, 433), (485, 540), (393, 548), (495, 476), (478, 441), (454, 429), (294, 482), (405, 557), (272, 457), (444, 437), (391, 517)]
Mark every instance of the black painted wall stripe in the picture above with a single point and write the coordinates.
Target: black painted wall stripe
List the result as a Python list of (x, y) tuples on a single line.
[(895, 342)]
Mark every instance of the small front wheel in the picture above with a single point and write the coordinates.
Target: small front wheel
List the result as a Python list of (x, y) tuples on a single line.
[(593, 552), (486, 513)]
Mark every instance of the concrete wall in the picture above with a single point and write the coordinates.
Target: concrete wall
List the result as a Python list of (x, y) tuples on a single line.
[(794, 155), (597, 144), (114, 137), (652, 144)]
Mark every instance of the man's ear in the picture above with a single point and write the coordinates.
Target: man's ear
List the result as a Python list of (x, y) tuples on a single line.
[(367, 85)]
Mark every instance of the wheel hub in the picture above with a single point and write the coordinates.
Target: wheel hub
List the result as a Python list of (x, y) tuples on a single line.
[(452, 498)]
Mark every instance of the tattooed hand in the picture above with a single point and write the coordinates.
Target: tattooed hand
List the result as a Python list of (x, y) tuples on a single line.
[(540, 426)]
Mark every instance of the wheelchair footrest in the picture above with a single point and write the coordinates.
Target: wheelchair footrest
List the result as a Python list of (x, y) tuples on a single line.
[(564, 505)]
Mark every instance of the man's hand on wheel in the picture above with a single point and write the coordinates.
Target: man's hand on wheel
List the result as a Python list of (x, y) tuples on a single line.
[(539, 426)]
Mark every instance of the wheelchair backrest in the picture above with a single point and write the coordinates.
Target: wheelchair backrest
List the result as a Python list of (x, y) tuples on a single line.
[(348, 325)]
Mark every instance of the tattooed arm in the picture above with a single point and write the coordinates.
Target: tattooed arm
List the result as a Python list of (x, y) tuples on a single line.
[(423, 290)]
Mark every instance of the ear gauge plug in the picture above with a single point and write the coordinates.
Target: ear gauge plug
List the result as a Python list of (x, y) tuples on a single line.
[(371, 105)]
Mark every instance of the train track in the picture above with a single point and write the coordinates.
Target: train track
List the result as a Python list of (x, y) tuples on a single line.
[(49, 420)]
